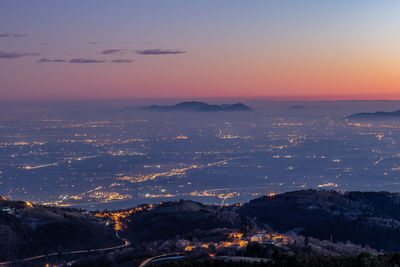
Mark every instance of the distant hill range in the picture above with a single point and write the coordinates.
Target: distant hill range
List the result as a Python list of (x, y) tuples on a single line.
[(195, 106), (375, 115), (297, 107)]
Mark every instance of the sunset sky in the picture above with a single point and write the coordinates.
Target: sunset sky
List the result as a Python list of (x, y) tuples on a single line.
[(309, 49)]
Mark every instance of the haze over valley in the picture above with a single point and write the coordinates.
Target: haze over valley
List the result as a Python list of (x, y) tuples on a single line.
[(93, 155)]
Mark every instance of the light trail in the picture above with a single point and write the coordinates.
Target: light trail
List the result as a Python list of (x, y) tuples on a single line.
[(126, 243), (380, 160), (40, 166)]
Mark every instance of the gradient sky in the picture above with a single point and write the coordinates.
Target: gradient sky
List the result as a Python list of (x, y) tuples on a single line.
[(309, 49)]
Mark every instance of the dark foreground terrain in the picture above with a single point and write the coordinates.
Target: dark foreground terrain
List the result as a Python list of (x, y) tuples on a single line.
[(27, 230), (302, 228), (363, 259), (367, 218)]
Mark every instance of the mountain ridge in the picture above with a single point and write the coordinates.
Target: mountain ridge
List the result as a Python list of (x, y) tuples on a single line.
[(375, 115), (196, 106)]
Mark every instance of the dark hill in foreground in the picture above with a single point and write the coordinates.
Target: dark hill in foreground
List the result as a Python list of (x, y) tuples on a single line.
[(363, 218), (195, 106), (27, 231), (178, 218), (366, 218)]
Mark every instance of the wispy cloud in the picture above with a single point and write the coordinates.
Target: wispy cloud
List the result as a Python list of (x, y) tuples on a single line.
[(46, 60), (86, 60), (3, 35), (112, 51), (11, 55), (159, 52), (83, 60), (20, 35), (123, 61)]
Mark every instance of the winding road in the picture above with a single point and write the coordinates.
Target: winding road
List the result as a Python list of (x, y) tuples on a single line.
[(169, 255), (126, 243)]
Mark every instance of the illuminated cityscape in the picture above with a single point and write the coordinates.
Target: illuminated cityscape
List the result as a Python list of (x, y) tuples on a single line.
[(123, 159)]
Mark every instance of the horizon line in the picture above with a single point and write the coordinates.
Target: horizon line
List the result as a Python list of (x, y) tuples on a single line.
[(302, 98)]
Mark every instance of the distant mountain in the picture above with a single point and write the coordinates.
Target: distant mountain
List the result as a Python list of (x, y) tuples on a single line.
[(197, 107), (375, 115), (297, 107)]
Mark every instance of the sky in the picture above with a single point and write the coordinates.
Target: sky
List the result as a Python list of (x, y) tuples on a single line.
[(309, 49)]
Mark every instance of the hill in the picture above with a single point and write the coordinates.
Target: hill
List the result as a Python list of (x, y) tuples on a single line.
[(28, 230), (366, 218), (297, 107), (300, 223), (178, 218), (195, 106), (375, 115)]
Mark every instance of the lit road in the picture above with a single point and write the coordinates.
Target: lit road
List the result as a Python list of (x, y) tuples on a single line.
[(126, 243), (171, 256), (239, 259), (160, 257)]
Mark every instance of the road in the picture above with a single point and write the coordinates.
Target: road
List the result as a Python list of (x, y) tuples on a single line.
[(126, 243), (240, 258), (225, 258), (169, 255)]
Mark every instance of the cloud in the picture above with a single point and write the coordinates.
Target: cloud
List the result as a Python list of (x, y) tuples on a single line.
[(159, 52), (2, 35), (85, 60), (112, 51), (122, 61), (11, 55), (20, 35), (95, 43), (46, 60)]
